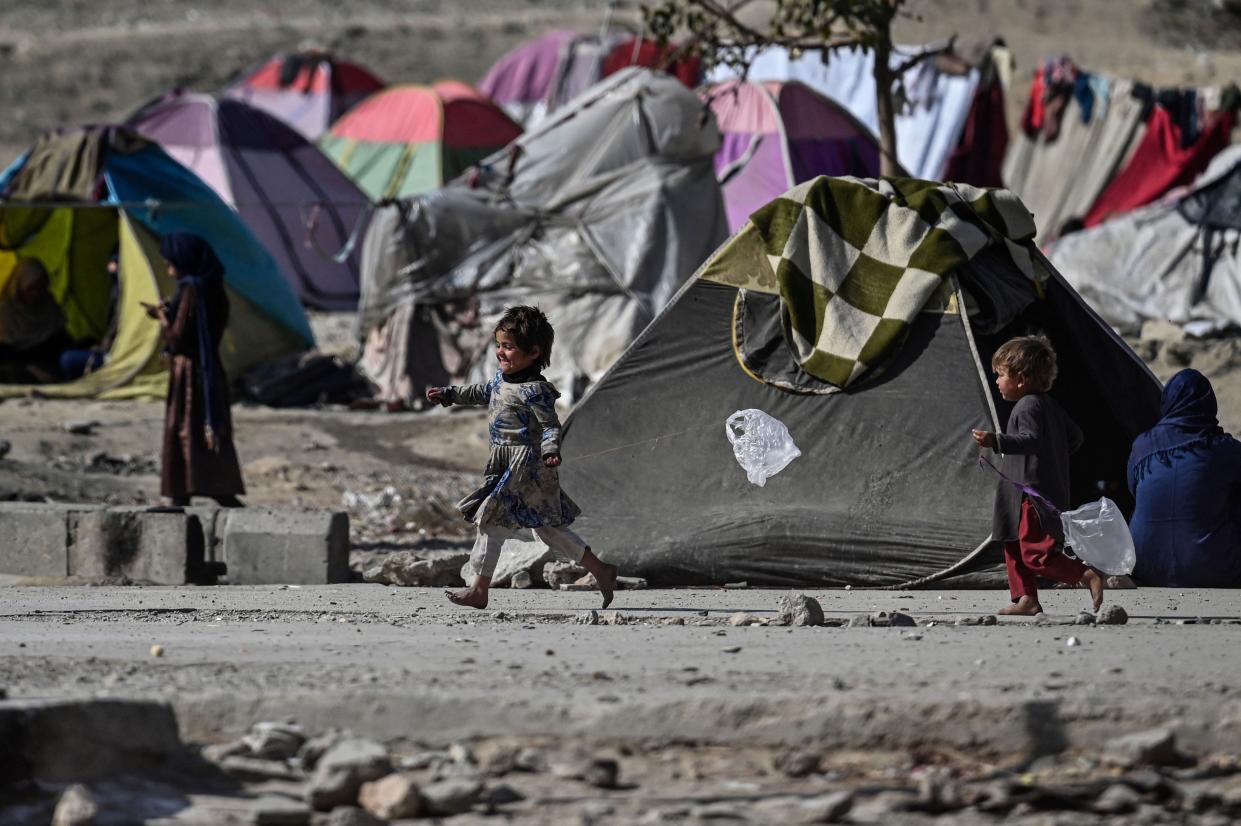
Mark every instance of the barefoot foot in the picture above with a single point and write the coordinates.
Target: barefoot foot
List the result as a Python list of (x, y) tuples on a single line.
[(470, 598), (1092, 580), (606, 578), (1024, 607)]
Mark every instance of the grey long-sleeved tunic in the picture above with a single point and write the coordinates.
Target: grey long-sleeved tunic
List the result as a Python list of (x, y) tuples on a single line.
[(1035, 449)]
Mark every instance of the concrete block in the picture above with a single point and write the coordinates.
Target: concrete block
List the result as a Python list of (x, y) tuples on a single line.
[(34, 538), (159, 548), (286, 547), (75, 740)]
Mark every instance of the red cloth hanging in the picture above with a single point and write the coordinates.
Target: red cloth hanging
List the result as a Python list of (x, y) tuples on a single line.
[(1159, 163), (979, 155)]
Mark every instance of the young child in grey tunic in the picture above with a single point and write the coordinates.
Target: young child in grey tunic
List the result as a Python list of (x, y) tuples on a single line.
[(521, 483)]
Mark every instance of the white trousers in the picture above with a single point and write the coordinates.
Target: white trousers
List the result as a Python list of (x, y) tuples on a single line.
[(491, 538)]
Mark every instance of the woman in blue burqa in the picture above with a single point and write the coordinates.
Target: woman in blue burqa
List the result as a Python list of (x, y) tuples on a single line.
[(1185, 474), (198, 454)]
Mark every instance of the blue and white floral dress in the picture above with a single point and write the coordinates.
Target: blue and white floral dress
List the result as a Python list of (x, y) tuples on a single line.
[(518, 490)]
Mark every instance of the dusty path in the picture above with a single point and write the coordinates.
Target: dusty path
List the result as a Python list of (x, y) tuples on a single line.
[(391, 661)]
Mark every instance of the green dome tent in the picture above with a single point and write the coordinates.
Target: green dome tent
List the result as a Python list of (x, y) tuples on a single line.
[(76, 195)]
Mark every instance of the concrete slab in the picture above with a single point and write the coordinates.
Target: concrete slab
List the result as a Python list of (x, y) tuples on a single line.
[(34, 539), (283, 546), (131, 542)]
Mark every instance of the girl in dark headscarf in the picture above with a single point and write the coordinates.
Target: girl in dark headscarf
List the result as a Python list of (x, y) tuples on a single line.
[(1185, 474), (198, 456), (32, 326)]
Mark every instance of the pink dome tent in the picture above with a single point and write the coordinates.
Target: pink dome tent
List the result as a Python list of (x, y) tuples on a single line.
[(777, 135)]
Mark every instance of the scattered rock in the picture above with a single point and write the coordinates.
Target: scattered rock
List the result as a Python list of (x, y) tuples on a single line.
[(1156, 747), (391, 797), (80, 427), (741, 618), (559, 572), (1072, 642), (630, 583), (501, 795), (831, 807), (451, 797), (601, 772), (157, 650), (342, 770), (216, 752), (353, 816), (274, 741), (613, 618), (672, 621), (1085, 618), (798, 763), (800, 610), (406, 569), (314, 748), (590, 617), (280, 811), (1111, 615), (1118, 799), (988, 619), (530, 557), (257, 770), (522, 579), (76, 807)]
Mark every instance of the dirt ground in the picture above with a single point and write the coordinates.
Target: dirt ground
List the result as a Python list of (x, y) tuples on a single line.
[(73, 61)]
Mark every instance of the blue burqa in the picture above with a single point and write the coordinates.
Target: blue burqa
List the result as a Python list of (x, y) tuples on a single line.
[(1185, 475)]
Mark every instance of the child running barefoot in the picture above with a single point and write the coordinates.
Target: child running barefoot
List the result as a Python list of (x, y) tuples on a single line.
[(1035, 448), (521, 486)]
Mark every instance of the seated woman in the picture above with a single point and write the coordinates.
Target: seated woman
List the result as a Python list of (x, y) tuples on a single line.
[(1185, 474), (32, 327), (84, 359)]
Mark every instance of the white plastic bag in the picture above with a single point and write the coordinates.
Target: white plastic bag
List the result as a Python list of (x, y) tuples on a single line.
[(762, 444), (1098, 535)]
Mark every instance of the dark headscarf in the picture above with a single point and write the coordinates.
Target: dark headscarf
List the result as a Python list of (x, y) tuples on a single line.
[(1187, 419), (199, 267)]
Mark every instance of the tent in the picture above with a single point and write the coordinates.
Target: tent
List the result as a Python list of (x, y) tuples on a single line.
[(638, 51), (307, 90), (290, 195), (407, 140), (75, 195), (928, 127), (525, 81), (887, 490), (776, 135), (596, 216), (1175, 260)]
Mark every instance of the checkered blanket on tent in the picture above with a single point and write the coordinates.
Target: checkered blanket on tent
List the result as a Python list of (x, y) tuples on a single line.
[(857, 259)]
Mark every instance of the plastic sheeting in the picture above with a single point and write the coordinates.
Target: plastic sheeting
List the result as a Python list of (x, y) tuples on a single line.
[(1176, 260), (611, 203)]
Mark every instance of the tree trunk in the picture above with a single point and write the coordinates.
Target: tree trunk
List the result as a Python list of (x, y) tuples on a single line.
[(885, 106)]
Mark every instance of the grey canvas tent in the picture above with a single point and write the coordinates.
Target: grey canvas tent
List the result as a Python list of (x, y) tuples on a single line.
[(1175, 260), (888, 490), (597, 216)]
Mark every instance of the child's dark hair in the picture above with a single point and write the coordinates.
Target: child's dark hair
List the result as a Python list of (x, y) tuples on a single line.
[(529, 328), (1029, 356)]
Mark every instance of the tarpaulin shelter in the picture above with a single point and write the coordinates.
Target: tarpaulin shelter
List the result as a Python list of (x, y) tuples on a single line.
[(597, 215), (307, 90), (775, 135), (75, 195), (407, 140), (887, 489), (928, 126), (303, 208), (1176, 260)]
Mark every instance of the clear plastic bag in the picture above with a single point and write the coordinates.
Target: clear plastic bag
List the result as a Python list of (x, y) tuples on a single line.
[(761, 443), (1097, 534)]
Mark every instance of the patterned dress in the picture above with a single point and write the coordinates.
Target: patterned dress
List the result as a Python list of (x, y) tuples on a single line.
[(518, 490)]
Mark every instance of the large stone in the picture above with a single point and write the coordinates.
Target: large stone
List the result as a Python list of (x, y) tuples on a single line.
[(558, 572), (451, 797), (134, 543), (342, 770), (799, 609), (296, 547), (274, 741), (353, 816), (108, 737), (602, 772), (407, 569), (391, 797), (258, 770), (518, 555), (1156, 747), (34, 539), (76, 807), (280, 811), (1111, 614)]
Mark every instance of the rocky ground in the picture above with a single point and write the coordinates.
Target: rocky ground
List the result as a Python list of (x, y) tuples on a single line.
[(698, 706)]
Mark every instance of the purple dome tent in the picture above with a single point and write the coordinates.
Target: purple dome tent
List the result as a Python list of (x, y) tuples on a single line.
[(297, 202)]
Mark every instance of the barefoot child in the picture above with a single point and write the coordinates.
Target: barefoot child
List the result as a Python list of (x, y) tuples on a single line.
[(521, 486), (1035, 448)]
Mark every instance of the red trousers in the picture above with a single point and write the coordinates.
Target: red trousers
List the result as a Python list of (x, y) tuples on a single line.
[(1034, 554)]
